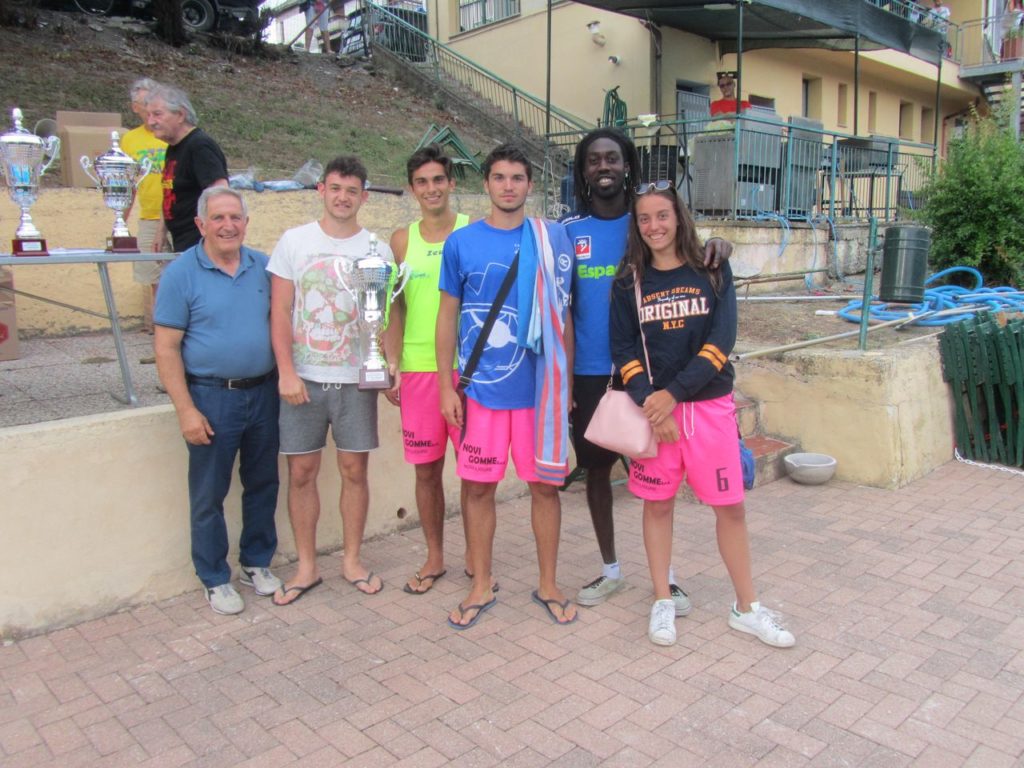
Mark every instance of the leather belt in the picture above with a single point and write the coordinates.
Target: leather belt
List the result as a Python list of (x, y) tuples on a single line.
[(213, 381)]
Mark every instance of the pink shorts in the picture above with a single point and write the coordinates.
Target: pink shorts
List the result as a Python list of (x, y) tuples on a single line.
[(707, 454), (425, 433), (483, 455)]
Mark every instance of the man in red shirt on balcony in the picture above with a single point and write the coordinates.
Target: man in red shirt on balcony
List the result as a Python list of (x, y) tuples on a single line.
[(727, 104)]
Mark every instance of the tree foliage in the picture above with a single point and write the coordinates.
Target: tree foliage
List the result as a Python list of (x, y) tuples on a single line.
[(974, 203)]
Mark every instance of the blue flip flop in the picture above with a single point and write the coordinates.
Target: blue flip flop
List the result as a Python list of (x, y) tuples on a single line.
[(546, 605), (464, 609)]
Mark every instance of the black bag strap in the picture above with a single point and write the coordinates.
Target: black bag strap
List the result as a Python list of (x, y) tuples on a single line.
[(485, 330)]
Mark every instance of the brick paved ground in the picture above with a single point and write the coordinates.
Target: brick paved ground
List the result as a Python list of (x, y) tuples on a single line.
[(906, 605)]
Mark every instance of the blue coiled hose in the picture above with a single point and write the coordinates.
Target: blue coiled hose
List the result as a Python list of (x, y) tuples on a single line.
[(945, 297)]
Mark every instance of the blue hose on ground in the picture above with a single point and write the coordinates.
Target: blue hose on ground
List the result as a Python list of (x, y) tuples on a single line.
[(945, 297)]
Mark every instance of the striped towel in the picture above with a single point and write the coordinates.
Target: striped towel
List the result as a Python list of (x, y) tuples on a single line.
[(542, 300)]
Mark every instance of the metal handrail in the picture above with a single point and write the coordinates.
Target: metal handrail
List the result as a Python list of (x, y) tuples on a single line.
[(444, 65)]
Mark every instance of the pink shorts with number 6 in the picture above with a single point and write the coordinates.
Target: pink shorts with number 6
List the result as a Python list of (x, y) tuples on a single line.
[(707, 454)]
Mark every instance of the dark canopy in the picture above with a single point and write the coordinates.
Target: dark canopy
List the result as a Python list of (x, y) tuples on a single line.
[(832, 24)]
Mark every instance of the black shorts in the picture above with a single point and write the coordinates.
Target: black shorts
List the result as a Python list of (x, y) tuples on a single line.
[(586, 393)]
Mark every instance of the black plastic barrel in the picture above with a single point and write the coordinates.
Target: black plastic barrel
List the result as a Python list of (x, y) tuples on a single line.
[(905, 263)]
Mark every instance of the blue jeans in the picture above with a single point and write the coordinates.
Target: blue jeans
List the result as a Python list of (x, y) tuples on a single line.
[(244, 421)]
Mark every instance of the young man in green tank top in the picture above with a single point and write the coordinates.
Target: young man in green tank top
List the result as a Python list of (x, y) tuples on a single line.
[(425, 433)]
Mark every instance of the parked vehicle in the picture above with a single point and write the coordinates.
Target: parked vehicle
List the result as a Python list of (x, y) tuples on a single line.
[(241, 16), (208, 15)]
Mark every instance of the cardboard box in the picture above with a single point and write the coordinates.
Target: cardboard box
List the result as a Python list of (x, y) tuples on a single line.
[(83, 133), (75, 141), (66, 118), (8, 321)]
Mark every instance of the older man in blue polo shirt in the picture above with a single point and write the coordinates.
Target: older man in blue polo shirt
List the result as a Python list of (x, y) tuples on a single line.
[(212, 342)]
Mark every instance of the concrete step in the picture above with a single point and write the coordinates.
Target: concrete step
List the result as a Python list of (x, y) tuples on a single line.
[(768, 456), (746, 415)]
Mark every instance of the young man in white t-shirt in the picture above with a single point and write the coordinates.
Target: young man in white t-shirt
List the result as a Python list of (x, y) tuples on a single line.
[(314, 327)]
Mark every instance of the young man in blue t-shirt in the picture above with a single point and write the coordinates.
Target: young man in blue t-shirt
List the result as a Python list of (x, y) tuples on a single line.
[(503, 400), (606, 170)]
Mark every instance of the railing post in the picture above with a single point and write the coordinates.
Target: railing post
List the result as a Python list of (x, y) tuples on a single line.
[(889, 168), (515, 110), (737, 136), (869, 279), (833, 168)]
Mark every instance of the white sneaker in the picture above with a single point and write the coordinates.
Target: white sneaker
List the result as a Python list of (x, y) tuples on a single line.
[(261, 579), (662, 629), (225, 600), (763, 624), (599, 590), (681, 599)]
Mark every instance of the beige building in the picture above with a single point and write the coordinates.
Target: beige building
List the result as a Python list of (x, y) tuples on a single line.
[(657, 69)]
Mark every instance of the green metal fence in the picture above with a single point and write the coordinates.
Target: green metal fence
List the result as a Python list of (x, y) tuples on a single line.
[(983, 362), (756, 166)]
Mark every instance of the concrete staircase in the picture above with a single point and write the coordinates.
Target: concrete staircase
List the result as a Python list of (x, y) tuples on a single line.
[(769, 452), (431, 67)]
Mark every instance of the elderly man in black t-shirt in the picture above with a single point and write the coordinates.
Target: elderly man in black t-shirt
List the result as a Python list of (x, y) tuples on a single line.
[(193, 163)]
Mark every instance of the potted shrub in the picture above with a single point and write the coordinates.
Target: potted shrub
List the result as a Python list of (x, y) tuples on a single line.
[(1013, 44)]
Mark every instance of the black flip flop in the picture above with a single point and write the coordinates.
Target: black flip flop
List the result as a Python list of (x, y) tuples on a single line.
[(300, 591), (464, 609), (419, 582)]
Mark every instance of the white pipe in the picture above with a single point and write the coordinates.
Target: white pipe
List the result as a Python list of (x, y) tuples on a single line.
[(792, 298)]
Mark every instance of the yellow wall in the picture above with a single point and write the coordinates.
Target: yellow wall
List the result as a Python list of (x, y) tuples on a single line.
[(515, 50), (95, 513)]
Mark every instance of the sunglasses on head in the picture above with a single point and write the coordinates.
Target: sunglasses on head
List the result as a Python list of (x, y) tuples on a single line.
[(664, 185)]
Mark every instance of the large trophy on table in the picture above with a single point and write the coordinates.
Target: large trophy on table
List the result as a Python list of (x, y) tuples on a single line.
[(24, 158), (374, 283), (118, 176)]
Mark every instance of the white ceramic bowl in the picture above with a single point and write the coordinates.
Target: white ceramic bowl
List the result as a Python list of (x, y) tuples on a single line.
[(810, 468)]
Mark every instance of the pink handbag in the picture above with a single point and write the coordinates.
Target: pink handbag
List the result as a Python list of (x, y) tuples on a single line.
[(619, 424)]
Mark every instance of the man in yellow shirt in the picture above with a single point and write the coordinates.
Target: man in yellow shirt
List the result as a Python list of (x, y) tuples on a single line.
[(141, 143)]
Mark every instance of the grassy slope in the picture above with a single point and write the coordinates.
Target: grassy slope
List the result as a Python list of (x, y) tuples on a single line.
[(273, 113)]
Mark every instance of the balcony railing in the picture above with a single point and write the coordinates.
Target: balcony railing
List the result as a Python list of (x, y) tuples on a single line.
[(759, 168), (992, 41), (913, 11), (477, 13)]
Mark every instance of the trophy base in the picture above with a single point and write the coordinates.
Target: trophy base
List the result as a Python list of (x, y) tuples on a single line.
[(29, 246), (122, 245), (375, 379)]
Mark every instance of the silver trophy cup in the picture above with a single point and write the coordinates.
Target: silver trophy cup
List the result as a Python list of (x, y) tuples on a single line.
[(118, 176), (25, 158), (373, 283)]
